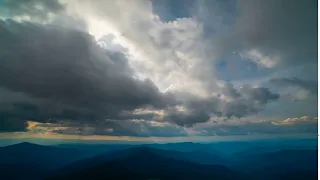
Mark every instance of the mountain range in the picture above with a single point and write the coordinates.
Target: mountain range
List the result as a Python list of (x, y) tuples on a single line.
[(192, 161)]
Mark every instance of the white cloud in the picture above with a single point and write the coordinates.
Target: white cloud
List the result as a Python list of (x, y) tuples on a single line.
[(171, 54), (292, 121), (44, 128), (261, 59)]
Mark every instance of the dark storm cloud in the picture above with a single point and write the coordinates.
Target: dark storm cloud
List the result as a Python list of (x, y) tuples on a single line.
[(311, 86), (11, 124), (66, 75), (187, 119), (259, 95), (70, 74), (251, 101), (241, 102), (15, 108), (51, 72), (287, 28)]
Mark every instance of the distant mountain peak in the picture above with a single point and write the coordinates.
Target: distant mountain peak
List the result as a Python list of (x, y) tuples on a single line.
[(26, 145)]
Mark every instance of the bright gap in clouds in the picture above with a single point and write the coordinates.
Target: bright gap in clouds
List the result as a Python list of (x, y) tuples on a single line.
[(101, 28), (163, 51)]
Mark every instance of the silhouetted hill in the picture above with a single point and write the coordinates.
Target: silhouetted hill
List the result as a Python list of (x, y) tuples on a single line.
[(258, 150), (146, 163), (273, 160), (264, 146), (196, 156), (32, 160), (28, 152), (189, 147), (21, 171), (96, 149), (221, 149), (194, 152), (283, 164)]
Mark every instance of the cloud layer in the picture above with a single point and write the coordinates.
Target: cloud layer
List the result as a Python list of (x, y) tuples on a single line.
[(91, 68)]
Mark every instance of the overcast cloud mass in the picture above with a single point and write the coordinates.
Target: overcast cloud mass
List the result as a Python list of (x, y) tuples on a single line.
[(148, 68)]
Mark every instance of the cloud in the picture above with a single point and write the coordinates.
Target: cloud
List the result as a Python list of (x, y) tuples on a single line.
[(282, 29), (298, 120), (271, 34), (304, 87), (43, 128), (136, 127), (11, 124), (102, 70), (187, 118), (70, 74), (214, 127), (221, 127), (260, 59), (230, 103), (169, 53), (77, 79), (35, 10)]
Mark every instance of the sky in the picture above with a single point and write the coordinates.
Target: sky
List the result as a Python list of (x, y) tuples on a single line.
[(158, 70)]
